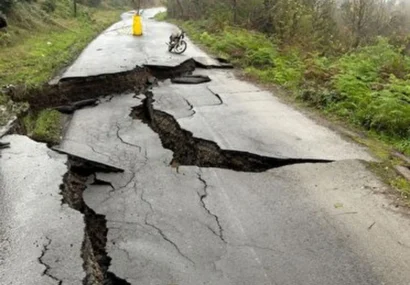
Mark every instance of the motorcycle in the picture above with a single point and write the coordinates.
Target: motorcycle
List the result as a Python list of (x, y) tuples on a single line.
[(177, 45)]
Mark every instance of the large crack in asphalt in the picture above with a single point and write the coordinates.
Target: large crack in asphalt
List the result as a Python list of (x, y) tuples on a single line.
[(187, 149), (202, 196), (72, 93), (96, 261), (46, 271), (192, 151), (64, 97)]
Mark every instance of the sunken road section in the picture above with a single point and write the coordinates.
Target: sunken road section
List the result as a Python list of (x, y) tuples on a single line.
[(189, 150), (71, 90)]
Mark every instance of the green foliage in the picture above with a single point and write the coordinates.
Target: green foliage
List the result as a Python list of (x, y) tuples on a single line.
[(161, 16), (286, 70), (371, 99), (5, 5), (31, 58), (44, 126), (49, 6), (93, 3), (289, 69), (37, 45), (254, 51), (368, 87)]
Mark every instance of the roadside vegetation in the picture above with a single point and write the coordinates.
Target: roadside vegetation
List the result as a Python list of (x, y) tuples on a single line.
[(348, 59), (42, 37)]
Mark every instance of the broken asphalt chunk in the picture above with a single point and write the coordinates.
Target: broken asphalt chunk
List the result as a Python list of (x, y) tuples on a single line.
[(69, 109), (191, 79), (88, 165)]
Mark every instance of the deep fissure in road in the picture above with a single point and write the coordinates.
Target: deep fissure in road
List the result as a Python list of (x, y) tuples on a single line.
[(81, 173), (189, 150), (68, 96), (69, 91), (71, 94)]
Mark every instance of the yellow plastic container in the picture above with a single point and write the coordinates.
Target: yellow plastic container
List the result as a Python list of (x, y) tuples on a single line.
[(137, 25)]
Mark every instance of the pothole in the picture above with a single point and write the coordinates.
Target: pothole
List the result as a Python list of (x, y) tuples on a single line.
[(189, 150)]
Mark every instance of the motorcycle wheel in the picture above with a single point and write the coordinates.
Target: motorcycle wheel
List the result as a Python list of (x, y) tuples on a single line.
[(180, 47)]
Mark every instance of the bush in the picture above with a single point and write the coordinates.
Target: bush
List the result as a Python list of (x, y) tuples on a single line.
[(49, 6), (374, 97), (5, 5), (3, 21)]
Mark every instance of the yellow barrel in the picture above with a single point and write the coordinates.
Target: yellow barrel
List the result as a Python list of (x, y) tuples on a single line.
[(137, 25)]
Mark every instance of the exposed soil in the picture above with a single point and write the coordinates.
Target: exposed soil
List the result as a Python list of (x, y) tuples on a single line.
[(96, 261), (71, 90), (189, 150)]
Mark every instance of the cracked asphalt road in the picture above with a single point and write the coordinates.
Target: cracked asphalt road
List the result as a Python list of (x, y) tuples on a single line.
[(169, 223), (190, 225), (34, 245)]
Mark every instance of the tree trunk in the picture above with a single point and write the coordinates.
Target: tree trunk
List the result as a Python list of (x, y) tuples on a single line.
[(75, 8), (361, 14), (3, 22), (139, 7), (181, 8), (235, 11)]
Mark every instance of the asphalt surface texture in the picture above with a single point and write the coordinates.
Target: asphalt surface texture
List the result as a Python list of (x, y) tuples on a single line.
[(40, 239), (196, 221)]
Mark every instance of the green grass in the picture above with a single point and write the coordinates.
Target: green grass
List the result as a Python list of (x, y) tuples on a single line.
[(44, 126), (36, 46), (161, 16), (370, 89), (36, 59)]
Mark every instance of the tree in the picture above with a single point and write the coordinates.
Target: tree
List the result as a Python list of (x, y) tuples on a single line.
[(5, 5), (3, 21), (75, 8), (235, 11), (314, 24), (365, 18)]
